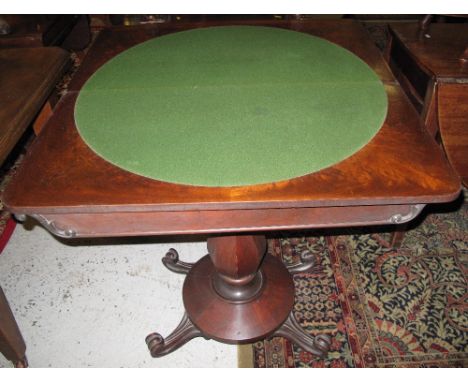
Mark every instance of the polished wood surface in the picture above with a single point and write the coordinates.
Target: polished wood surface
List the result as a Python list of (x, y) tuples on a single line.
[(390, 170), (237, 258), (453, 121), (27, 77), (433, 71), (439, 49), (235, 294), (180, 221), (229, 321)]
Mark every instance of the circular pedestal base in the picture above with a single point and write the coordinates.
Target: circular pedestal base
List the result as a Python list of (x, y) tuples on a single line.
[(232, 321)]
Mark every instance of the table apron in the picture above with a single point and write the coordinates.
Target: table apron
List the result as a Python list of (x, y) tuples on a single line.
[(221, 221)]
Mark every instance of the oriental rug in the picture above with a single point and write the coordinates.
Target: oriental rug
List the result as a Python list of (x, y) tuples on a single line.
[(383, 307)]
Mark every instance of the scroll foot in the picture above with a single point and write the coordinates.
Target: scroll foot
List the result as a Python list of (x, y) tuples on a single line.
[(21, 363), (318, 345), (171, 262), (305, 265), (159, 346)]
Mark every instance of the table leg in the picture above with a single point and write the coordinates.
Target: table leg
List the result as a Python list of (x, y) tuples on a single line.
[(292, 330), (398, 235), (306, 264), (11, 341), (236, 294), (185, 332)]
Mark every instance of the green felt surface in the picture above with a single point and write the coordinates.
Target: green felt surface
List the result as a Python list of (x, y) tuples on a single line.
[(228, 106)]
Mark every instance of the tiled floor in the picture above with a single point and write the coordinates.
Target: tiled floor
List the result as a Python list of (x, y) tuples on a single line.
[(91, 303)]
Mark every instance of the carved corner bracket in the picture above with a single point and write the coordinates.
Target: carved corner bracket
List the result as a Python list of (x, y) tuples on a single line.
[(415, 210), (50, 225)]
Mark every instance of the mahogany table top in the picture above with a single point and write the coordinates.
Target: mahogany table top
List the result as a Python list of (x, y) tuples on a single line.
[(69, 188)]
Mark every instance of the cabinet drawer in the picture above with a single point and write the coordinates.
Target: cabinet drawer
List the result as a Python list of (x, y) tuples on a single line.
[(411, 76)]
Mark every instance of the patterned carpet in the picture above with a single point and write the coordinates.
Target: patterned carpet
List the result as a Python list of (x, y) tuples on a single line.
[(383, 307)]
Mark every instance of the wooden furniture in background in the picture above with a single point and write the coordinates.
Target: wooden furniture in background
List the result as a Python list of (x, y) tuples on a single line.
[(67, 31), (453, 124), (237, 293), (431, 64), (12, 345), (27, 78)]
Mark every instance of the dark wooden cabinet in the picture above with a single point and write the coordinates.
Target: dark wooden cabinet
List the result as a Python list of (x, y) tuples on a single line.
[(431, 63), (67, 31), (28, 77)]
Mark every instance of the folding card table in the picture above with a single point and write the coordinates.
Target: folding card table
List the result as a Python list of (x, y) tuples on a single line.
[(82, 179)]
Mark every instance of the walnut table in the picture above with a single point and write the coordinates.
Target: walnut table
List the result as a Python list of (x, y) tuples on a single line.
[(235, 294)]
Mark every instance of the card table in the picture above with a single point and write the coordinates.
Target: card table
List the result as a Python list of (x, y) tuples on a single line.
[(237, 293)]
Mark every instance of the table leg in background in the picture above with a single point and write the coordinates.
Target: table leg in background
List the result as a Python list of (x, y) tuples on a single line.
[(12, 345)]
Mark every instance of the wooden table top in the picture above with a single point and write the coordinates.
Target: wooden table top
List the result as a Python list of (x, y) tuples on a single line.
[(438, 49), (27, 76), (69, 188)]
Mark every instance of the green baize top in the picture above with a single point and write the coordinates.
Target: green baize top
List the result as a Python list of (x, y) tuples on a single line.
[(230, 106)]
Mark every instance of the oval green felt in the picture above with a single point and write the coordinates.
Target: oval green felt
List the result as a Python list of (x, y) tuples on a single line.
[(230, 106)]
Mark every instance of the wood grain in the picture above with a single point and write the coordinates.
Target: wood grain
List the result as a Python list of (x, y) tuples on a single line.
[(391, 170), (27, 77), (438, 50), (453, 122)]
